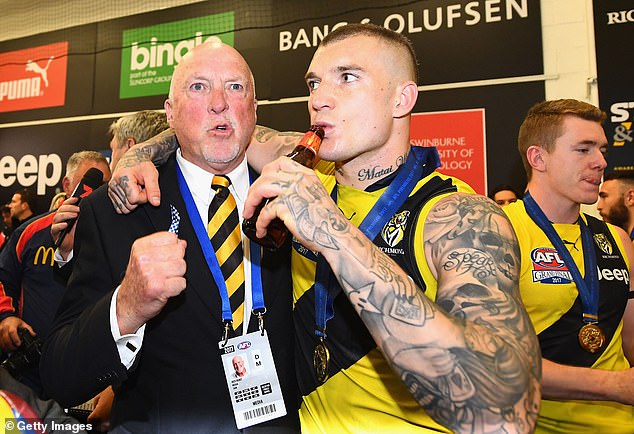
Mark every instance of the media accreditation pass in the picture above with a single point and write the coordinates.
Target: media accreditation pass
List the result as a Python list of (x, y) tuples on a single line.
[(256, 395)]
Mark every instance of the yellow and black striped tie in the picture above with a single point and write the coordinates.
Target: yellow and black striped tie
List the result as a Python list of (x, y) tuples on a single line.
[(224, 232)]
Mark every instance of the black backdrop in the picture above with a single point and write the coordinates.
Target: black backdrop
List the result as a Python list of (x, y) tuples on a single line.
[(614, 34)]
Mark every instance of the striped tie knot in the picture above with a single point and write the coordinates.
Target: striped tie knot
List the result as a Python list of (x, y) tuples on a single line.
[(220, 184), (224, 232)]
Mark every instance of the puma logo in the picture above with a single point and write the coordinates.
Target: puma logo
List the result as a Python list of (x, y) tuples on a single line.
[(32, 66)]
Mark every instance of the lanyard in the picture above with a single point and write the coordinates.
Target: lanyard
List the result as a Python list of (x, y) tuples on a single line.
[(212, 261), (420, 163), (587, 286)]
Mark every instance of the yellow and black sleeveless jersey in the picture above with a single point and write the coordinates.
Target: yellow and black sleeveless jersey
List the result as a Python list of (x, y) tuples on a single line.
[(554, 306), (362, 394)]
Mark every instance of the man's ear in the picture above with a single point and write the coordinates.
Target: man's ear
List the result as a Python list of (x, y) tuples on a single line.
[(167, 105), (129, 142), (629, 197), (535, 157), (66, 185), (406, 96)]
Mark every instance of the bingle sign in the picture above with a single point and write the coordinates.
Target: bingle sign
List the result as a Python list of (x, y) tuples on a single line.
[(33, 78), (150, 53)]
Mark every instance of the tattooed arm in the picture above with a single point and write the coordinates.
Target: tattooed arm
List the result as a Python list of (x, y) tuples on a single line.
[(135, 179), (267, 144), (470, 359)]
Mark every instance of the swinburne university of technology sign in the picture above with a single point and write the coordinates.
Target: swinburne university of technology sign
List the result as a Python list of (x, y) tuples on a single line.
[(150, 53), (33, 78)]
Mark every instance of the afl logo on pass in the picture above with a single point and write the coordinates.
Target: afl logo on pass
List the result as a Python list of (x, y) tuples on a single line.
[(548, 267), (244, 345)]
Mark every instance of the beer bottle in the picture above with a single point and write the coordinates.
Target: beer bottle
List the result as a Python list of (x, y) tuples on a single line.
[(304, 153)]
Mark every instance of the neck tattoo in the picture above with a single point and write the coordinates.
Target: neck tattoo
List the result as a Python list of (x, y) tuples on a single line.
[(378, 171), (374, 172)]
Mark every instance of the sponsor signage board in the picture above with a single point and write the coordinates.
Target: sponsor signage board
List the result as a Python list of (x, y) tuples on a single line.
[(150, 53), (459, 137), (34, 77), (614, 32)]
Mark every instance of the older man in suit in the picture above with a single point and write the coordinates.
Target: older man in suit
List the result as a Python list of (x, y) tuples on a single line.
[(143, 308)]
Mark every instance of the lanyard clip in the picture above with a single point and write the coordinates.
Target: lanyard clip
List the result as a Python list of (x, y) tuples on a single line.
[(225, 334), (260, 315)]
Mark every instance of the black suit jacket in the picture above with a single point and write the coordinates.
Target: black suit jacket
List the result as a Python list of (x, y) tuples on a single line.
[(177, 381)]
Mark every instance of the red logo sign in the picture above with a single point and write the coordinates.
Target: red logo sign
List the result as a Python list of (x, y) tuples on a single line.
[(458, 136), (34, 77)]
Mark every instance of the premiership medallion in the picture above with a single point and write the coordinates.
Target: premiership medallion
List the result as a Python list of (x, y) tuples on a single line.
[(591, 337), (321, 360)]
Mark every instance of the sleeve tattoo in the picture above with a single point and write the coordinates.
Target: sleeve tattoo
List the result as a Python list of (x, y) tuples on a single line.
[(470, 358)]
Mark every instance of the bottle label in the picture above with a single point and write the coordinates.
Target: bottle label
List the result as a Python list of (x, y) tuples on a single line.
[(311, 141)]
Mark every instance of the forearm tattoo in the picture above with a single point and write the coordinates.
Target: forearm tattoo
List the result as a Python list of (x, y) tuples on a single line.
[(157, 149), (135, 156), (284, 138), (470, 359)]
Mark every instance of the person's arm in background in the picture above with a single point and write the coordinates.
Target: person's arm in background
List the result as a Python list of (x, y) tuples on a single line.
[(563, 381), (67, 211), (135, 179), (10, 294), (64, 253), (100, 415)]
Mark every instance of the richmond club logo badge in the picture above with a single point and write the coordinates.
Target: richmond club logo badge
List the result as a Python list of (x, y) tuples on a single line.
[(604, 244), (394, 230)]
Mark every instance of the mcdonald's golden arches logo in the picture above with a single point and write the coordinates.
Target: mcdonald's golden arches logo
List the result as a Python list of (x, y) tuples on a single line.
[(45, 251)]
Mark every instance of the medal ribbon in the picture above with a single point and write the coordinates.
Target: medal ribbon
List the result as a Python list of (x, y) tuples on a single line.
[(212, 261), (420, 163), (587, 286)]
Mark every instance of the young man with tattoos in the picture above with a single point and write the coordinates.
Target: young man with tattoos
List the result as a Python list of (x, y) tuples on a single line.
[(575, 273), (419, 305), (433, 282)]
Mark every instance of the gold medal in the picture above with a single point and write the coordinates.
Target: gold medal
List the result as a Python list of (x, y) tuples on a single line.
[(591, 337), (321, 360)]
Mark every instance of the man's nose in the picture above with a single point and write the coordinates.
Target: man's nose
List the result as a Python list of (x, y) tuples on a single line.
[(217, 101), (321, 98)]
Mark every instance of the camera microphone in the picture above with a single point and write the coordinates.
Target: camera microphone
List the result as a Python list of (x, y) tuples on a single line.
[(92, 179)]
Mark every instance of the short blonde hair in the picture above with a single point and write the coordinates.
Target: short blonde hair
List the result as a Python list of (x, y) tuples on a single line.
[(139, 126), (544, 124)]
